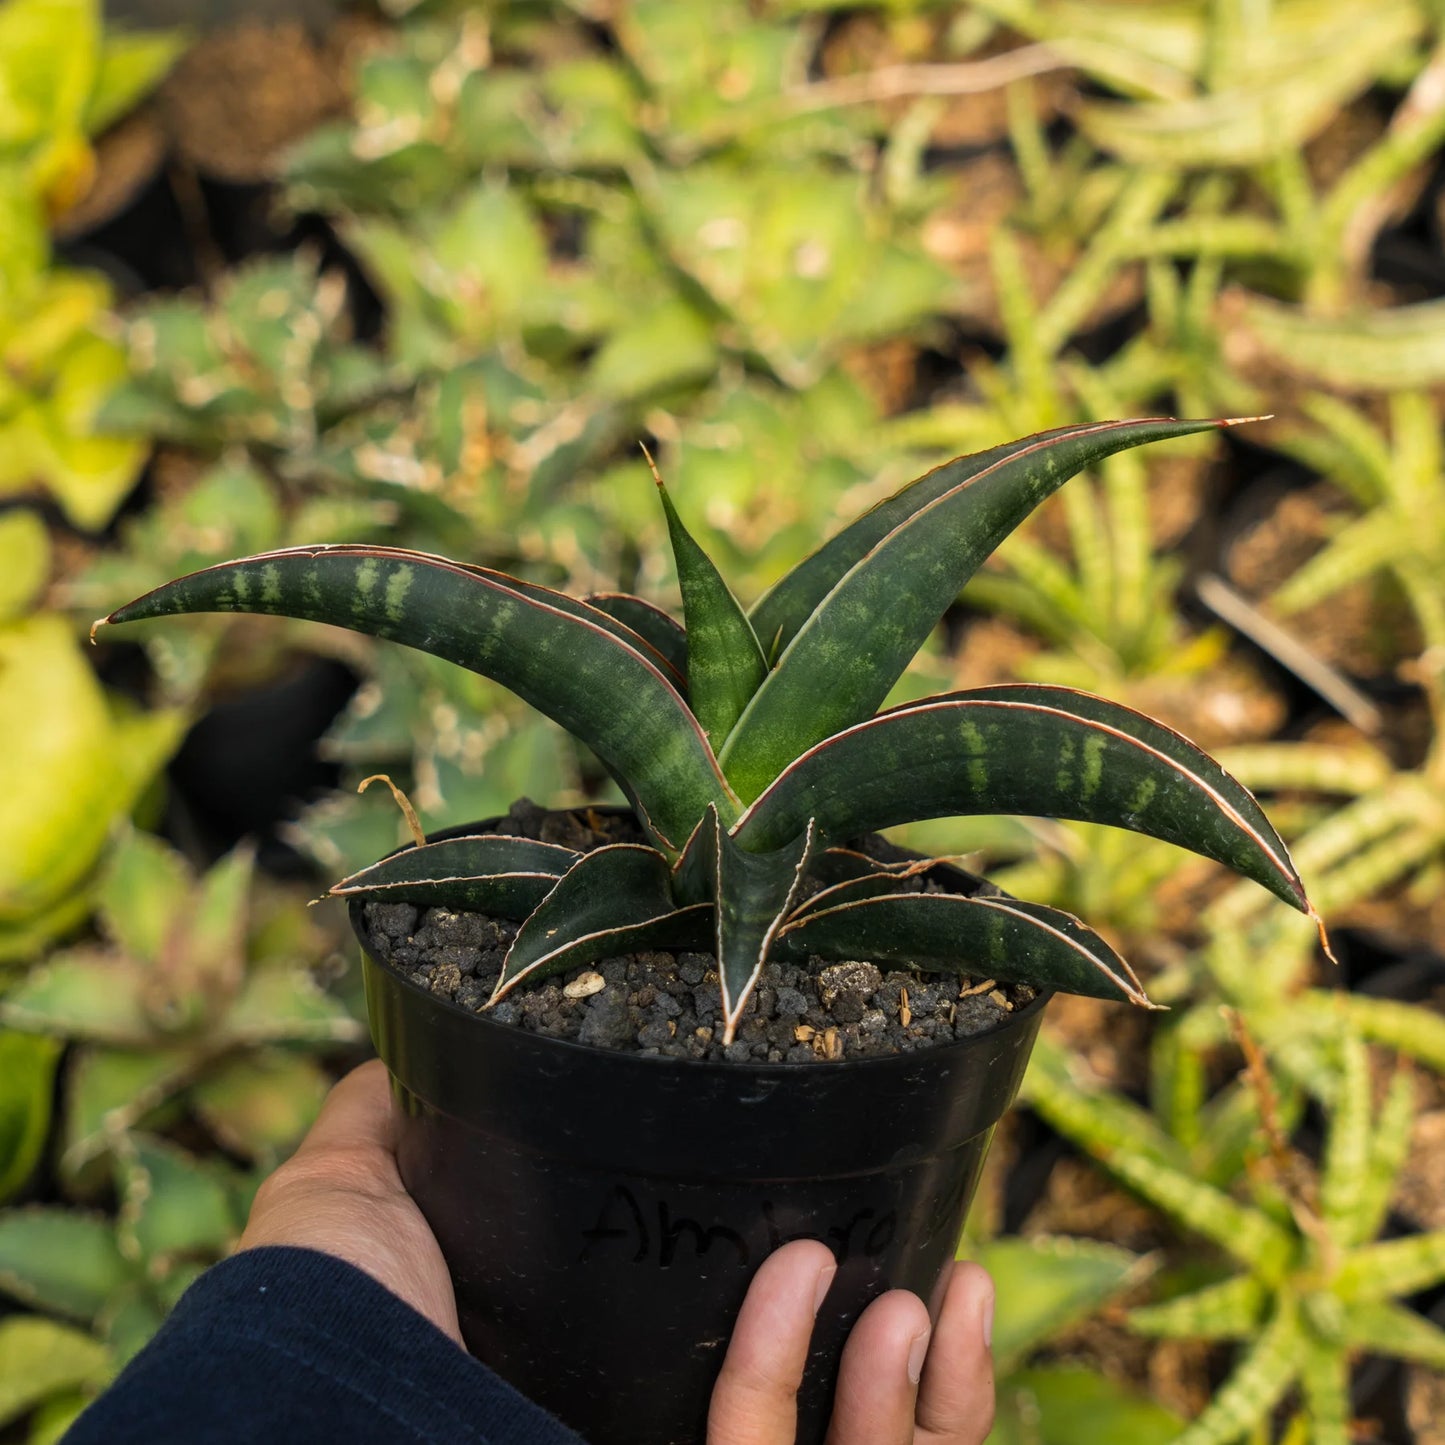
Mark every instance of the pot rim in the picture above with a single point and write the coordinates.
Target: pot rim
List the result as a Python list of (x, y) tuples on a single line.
[(759, 1069), (913, 1056)]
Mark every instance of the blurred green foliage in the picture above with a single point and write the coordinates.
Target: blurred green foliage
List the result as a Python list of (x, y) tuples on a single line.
[(804, 250)]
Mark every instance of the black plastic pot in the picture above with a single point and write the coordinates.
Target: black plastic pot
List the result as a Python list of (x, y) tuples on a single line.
[(603, 1212)]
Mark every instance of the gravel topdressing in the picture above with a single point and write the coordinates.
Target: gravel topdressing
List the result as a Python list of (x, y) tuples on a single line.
[(668, 1004)]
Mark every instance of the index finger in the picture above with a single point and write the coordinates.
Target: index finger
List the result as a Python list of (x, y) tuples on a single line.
[(357, 1115), (755, 1400)]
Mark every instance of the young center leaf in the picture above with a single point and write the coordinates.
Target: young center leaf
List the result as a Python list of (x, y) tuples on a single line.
[(725, 665), (752, 894)]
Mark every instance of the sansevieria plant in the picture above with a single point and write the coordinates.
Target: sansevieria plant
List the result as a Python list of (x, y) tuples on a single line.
[(750, 745)]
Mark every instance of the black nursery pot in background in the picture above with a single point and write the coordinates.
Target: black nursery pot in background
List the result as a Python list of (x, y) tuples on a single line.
[(603, 1212)]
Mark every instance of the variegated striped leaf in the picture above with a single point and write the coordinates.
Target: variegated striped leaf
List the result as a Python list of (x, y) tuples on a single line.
[(853, 642), (1248, 1235), (488, 873), (1030, 749), (580, 667), (1393, 1267), (1325, 1384), (1232, 1310), (782, 612), (1258, 1383), (1347, 1149), (1060, 1088), (1381, 1327), (1389, 1147), (998, 938), (1414, 1031)]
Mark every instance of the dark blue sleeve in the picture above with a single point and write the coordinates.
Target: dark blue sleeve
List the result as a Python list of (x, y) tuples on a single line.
[(292, 1345)]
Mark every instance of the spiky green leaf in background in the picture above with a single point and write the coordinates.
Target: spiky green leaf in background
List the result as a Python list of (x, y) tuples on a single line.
[(1303, 1283)]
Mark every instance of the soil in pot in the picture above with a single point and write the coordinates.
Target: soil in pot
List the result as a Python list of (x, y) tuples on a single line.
[(664, 1004)]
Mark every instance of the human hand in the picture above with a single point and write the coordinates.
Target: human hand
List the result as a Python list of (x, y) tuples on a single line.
[(341, 1193), (900, 1383)]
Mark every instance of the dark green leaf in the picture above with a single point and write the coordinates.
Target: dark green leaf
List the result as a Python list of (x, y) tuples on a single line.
[(1020, 748), (857, 639), (489, 873), (997, 938), (753, 893), (564, 658), (615, 900), (724, 662), (604, 617), (663, 631)]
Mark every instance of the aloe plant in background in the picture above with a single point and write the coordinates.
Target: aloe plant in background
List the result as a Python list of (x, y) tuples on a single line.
[(101, 1287), (1046, 1286), (776, 756), (201, 998), (74, 760), (1314, 1288)]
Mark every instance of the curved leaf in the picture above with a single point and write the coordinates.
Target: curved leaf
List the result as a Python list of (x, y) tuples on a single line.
[(779, 615), (488, 873), (614, 900), (1030, 749), (663, 632), (725, 665), (997, 938), (858, 638), (564, 658)]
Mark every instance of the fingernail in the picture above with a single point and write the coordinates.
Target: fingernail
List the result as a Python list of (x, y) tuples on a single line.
[(987, 1316), (825, 1279), (916, 1354)]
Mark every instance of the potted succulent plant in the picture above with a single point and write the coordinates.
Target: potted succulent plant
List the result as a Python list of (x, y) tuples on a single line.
[(602, 1209)]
